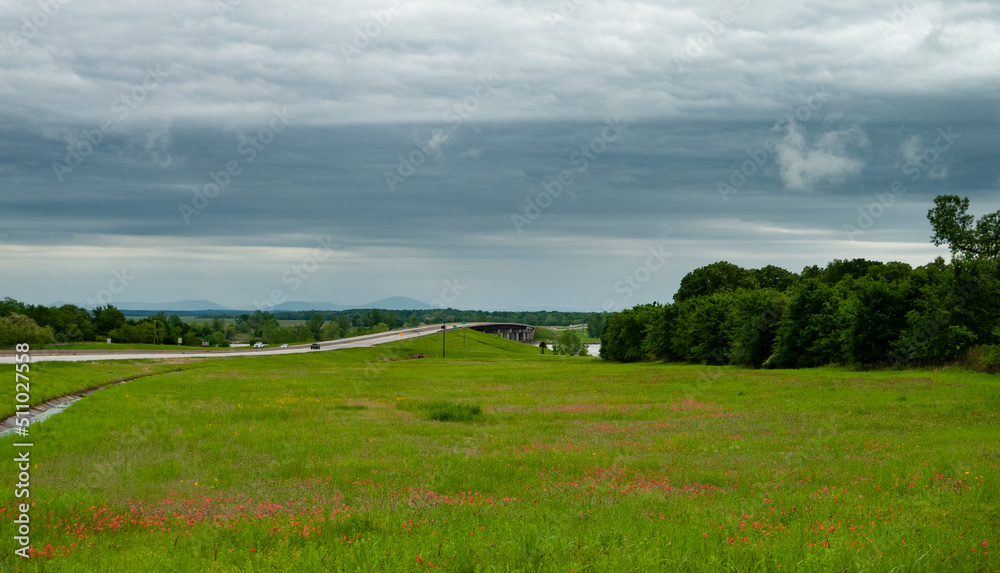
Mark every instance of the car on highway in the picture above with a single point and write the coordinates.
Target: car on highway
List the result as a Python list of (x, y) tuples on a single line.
[(314, 346), (284, 346), (258, 345)]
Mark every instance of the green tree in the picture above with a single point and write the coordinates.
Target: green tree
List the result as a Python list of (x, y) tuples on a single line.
[(331, 331), (569, 343), (713, 278), (595, 324), (20, 329), (773, 277), (315, 324), (966, 237), (752, 324), (700, 331), (107, 318), (876, 316), (625, 333), (808, 333)]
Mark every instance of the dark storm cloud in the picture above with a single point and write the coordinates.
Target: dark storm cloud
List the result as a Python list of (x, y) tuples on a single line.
[(213, 143)]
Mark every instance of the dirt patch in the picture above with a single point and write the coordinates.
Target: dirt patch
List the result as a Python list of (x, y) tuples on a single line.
[(410, 357)]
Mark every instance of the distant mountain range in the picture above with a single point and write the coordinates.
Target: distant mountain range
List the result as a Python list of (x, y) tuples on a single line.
[(392, 303)]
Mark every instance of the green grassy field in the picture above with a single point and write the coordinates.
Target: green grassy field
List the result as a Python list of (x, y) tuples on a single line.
[(341, 461)]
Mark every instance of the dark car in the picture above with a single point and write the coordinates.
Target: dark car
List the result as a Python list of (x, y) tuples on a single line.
[(314, 346)]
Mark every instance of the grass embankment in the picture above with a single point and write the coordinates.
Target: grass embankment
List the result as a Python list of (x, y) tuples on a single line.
[(49, 380), (330, 461)]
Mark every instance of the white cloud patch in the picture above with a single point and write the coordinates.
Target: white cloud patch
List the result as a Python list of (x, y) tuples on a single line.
[(826, 160), (913, 152)]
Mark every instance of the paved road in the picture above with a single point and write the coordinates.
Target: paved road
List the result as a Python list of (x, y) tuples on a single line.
[(353, 342)]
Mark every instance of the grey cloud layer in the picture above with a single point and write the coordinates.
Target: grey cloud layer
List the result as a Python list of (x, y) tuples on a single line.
[(724, 154)]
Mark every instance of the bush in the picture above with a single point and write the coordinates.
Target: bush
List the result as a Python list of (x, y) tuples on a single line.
[(19, 329), (442, 410), (569, 343), (991, 358)]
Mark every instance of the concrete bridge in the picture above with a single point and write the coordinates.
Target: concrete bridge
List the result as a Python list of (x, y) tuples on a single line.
[(508, 330)]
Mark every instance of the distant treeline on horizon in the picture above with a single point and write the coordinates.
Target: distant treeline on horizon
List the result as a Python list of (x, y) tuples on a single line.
[(68, 323)]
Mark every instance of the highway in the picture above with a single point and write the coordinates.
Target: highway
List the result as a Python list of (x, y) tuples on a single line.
[(7, 357)]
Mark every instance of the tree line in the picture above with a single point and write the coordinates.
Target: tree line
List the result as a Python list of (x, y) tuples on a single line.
[(39, 324), (849, 312)]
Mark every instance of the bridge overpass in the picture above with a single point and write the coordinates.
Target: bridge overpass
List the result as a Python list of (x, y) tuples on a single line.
[(509, 330)]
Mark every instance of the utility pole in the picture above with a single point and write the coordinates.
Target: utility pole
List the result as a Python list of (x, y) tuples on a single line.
[(444, 332)]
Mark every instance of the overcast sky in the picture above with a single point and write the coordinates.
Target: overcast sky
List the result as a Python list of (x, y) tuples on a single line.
[(482, 155)]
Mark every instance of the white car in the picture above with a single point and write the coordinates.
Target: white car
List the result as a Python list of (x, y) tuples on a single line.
[(258, 345), (284, 346)]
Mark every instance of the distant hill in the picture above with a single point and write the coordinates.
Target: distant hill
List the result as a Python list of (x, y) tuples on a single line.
[(188, 306), (397, 303)]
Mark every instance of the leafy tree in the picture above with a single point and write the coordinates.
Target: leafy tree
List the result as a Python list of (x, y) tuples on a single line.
[(752, 325), (345, 324), (625, 333), (966, 237), (713, 278), (876, 316), (106, 319), (658, 342), (331, 331), (809, 330), (243, 325), (218, 339), (20, 329), (315, 324), (595, 324), (569, 343), (699, 332), (773, 277), (837, 269)]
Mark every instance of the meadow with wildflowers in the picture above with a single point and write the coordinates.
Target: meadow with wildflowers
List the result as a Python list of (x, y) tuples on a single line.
[(340, 461)]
